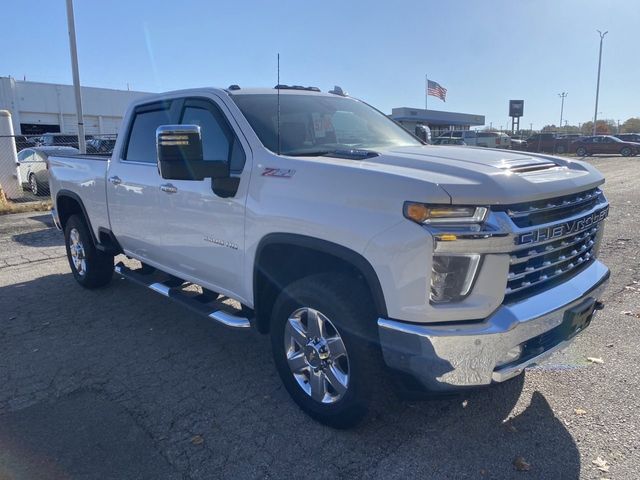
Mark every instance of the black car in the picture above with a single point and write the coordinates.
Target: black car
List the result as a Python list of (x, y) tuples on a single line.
[(629, 137)]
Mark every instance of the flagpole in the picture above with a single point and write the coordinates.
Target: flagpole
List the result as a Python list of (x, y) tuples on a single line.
[(426, 92)]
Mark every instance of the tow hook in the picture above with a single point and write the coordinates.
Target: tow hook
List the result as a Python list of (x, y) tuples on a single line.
[(598, 305)]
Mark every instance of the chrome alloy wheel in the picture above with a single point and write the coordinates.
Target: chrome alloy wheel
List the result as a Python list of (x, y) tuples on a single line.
[(316, 355), (77, 252), (33, 184)]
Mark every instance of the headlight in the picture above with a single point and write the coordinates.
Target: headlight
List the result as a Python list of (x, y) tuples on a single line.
[(445, 214), (452, 277)]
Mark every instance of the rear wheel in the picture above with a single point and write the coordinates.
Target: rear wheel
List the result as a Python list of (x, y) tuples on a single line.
[(625, 151), (581, 152), (560, 149), (321, 340), (90, 267)]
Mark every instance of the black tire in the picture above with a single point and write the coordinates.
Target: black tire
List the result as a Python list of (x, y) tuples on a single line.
[(560, 149), (97, 269), (34, 186), (581, 152), (347, 305), (625, 151)]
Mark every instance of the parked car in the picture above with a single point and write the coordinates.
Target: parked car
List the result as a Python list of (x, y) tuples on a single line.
[(101, 145), (351, 243), (33, 173), (448, 141), (493, 140), (59, 140), (629, 137), (600, 144), (469, 137), (480, 139), (549, 143), (22, 142), (518, 143)]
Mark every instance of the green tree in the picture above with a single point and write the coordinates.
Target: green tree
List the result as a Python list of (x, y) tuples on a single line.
[(603, 127), (631, 125)]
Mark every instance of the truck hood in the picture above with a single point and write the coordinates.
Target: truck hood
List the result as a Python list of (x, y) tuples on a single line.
[(473, 175)]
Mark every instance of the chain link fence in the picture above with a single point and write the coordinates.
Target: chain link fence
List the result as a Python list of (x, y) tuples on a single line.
[(24, 166)]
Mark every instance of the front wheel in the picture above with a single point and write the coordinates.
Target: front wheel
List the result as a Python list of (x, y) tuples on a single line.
[(321, 341), (90, 267), (581, 152), (625, 151)]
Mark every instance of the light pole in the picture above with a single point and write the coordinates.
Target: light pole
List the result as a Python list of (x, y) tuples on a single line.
[(76, 75), (562, 96), (595, 114)]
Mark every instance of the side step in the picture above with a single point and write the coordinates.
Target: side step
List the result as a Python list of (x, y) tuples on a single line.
[(169, 290)]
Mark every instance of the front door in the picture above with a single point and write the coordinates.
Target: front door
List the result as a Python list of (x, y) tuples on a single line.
[(203, 221)]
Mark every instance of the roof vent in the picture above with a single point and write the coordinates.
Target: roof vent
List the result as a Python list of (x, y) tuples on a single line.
[(234, 87)]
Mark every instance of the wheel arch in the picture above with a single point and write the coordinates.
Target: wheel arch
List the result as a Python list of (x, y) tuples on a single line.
[(69, 203), (303, 255)]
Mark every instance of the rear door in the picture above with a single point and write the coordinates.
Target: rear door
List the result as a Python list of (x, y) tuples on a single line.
[(133, 185)]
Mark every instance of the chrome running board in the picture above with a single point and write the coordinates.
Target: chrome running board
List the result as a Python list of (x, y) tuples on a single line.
[(169, 290)]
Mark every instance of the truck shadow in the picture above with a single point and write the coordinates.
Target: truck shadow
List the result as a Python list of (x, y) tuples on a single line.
[(213, 404), (40, 238)]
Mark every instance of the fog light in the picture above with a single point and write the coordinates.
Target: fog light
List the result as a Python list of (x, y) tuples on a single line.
[(452, 277), (511, 356)]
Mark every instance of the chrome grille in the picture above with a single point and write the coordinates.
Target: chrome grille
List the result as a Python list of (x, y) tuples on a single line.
[(545, 211), (539, 265)]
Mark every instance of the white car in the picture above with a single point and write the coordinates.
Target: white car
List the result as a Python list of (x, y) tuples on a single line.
[(33, 173), (480, 139)]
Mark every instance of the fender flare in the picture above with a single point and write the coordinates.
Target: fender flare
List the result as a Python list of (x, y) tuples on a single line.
[(324, 246), (74, 196)]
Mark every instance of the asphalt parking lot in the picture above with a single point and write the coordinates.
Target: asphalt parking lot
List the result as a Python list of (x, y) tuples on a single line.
[(120, 383)]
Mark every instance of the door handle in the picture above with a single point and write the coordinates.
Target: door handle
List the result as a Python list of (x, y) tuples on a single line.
[(168, 188), (115, 180)]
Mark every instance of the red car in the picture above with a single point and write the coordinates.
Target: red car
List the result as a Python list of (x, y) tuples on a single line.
[(604, 144)]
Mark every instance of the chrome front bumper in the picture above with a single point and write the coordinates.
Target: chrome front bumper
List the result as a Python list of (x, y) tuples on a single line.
[(450, 356)]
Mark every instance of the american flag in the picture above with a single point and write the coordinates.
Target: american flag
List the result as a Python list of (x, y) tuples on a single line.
[(436, 90)]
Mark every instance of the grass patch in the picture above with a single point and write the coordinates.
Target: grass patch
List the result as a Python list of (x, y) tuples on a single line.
[(7, 206)]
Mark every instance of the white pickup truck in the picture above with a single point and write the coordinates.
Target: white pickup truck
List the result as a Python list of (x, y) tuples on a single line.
[(349, 241)]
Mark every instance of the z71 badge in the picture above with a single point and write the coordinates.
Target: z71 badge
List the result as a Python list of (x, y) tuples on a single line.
[(278, 172), (562, 229)]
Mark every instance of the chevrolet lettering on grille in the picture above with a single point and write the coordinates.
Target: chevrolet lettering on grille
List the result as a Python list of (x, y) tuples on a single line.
[(562, 229)]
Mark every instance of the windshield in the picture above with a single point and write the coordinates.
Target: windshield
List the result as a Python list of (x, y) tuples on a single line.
[(317, 124)]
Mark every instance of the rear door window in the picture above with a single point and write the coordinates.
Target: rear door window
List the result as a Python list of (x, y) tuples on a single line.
[(141, 145)]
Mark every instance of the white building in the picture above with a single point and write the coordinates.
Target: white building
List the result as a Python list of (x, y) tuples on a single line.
[(38, 108)]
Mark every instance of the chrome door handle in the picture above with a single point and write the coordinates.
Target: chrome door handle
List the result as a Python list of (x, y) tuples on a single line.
[(115, 180), (169, 188)]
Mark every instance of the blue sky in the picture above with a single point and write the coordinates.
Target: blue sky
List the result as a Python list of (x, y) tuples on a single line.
[(483, 52)]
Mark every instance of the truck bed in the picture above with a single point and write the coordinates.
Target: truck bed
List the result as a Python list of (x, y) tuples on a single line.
[(85, 176)]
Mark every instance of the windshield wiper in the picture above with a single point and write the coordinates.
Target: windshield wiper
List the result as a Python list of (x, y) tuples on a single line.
[(348, 153), (307, 153), (352, 154)]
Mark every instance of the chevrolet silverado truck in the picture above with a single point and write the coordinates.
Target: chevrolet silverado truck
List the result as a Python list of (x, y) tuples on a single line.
[(363, 253)]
